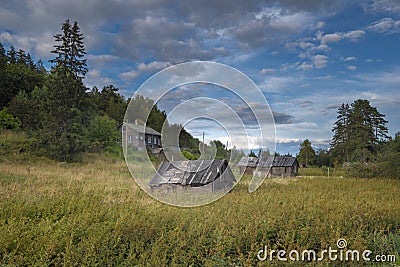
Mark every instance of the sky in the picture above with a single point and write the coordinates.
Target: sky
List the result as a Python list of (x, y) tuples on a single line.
[(307, 57)]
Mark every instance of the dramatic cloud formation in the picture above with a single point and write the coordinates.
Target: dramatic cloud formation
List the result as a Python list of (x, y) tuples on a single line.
[(306, 56)]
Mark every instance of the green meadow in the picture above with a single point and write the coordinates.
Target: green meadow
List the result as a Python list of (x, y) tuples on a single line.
[(94, 214)]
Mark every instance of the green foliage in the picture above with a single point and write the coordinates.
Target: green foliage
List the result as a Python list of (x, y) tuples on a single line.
[(187, 141), (221, 150), (236, 155), (14, 146), (323, 158), (188, 155), (362, 170), (108, 102), (25, 108), (17, 73), (306, 156), (156, 119), (70, 51), (64, 107), (388, 160), (138, 109), (8, 121), (358, 132), (385, 164), (103, 132)]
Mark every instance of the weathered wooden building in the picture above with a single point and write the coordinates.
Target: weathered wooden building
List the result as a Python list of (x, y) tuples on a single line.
[(140, 136), (247, 165), (272, 166), (207, 175)]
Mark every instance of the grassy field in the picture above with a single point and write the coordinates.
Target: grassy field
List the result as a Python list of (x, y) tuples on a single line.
[(93, 214)]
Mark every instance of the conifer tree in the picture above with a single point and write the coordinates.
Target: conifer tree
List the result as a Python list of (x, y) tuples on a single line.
[(66, 100), (307, 154), (358, 132)]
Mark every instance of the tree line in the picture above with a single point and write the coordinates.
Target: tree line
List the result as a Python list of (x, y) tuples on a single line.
[(360, 143), (62, 117)]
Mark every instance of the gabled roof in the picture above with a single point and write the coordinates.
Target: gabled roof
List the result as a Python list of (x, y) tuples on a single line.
[(141, 129), (283, 161), (267, 162), (191, 172)]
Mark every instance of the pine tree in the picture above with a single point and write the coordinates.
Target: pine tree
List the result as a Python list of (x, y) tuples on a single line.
[(65, 109), (358, 132), (12, 55), (340, 136), (306, 156)]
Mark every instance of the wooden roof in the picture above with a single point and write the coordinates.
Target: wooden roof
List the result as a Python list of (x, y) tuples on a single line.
[(267, 162), (191, 172), (141, 129)]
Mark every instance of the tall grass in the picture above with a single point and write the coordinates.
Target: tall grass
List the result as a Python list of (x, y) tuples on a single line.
[(94, 214), (322, 172)]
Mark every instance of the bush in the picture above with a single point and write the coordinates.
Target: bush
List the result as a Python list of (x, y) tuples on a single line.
[(362, 170), (8, 121), (188, 155), (103, 132), (389, 166)]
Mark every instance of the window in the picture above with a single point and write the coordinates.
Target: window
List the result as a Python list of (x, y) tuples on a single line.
[(149, 139), (130, 139), (155, 140)]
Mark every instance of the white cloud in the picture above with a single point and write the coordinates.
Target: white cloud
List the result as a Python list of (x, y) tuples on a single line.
[(305, 66), (100, 60), (320, 61), (331, 38), (391, 6), (383, 79), (319, 25), (95, 78), (304, 45), (352, 67), (128, 76), (385, 26), (153, 66), (369, 60), (39, 46), (267, 71), (353, 36), (347, 59), (277, 84), (324, 78), (293, 22)]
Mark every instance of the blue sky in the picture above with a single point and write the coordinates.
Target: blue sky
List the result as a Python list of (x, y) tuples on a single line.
[(307, 57)]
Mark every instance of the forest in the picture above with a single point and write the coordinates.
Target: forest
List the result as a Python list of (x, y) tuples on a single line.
[(60, 116)]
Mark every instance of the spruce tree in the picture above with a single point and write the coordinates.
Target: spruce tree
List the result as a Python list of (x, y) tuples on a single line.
[(64, 112), (307, 154)]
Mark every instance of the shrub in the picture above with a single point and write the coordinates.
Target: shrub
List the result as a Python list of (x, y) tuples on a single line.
[(188, 155), (362, 170), (103, 132), (8, 121)]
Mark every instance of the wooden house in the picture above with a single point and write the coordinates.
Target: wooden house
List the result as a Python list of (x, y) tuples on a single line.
[(247, 165), (139, 136), (272, 166)]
